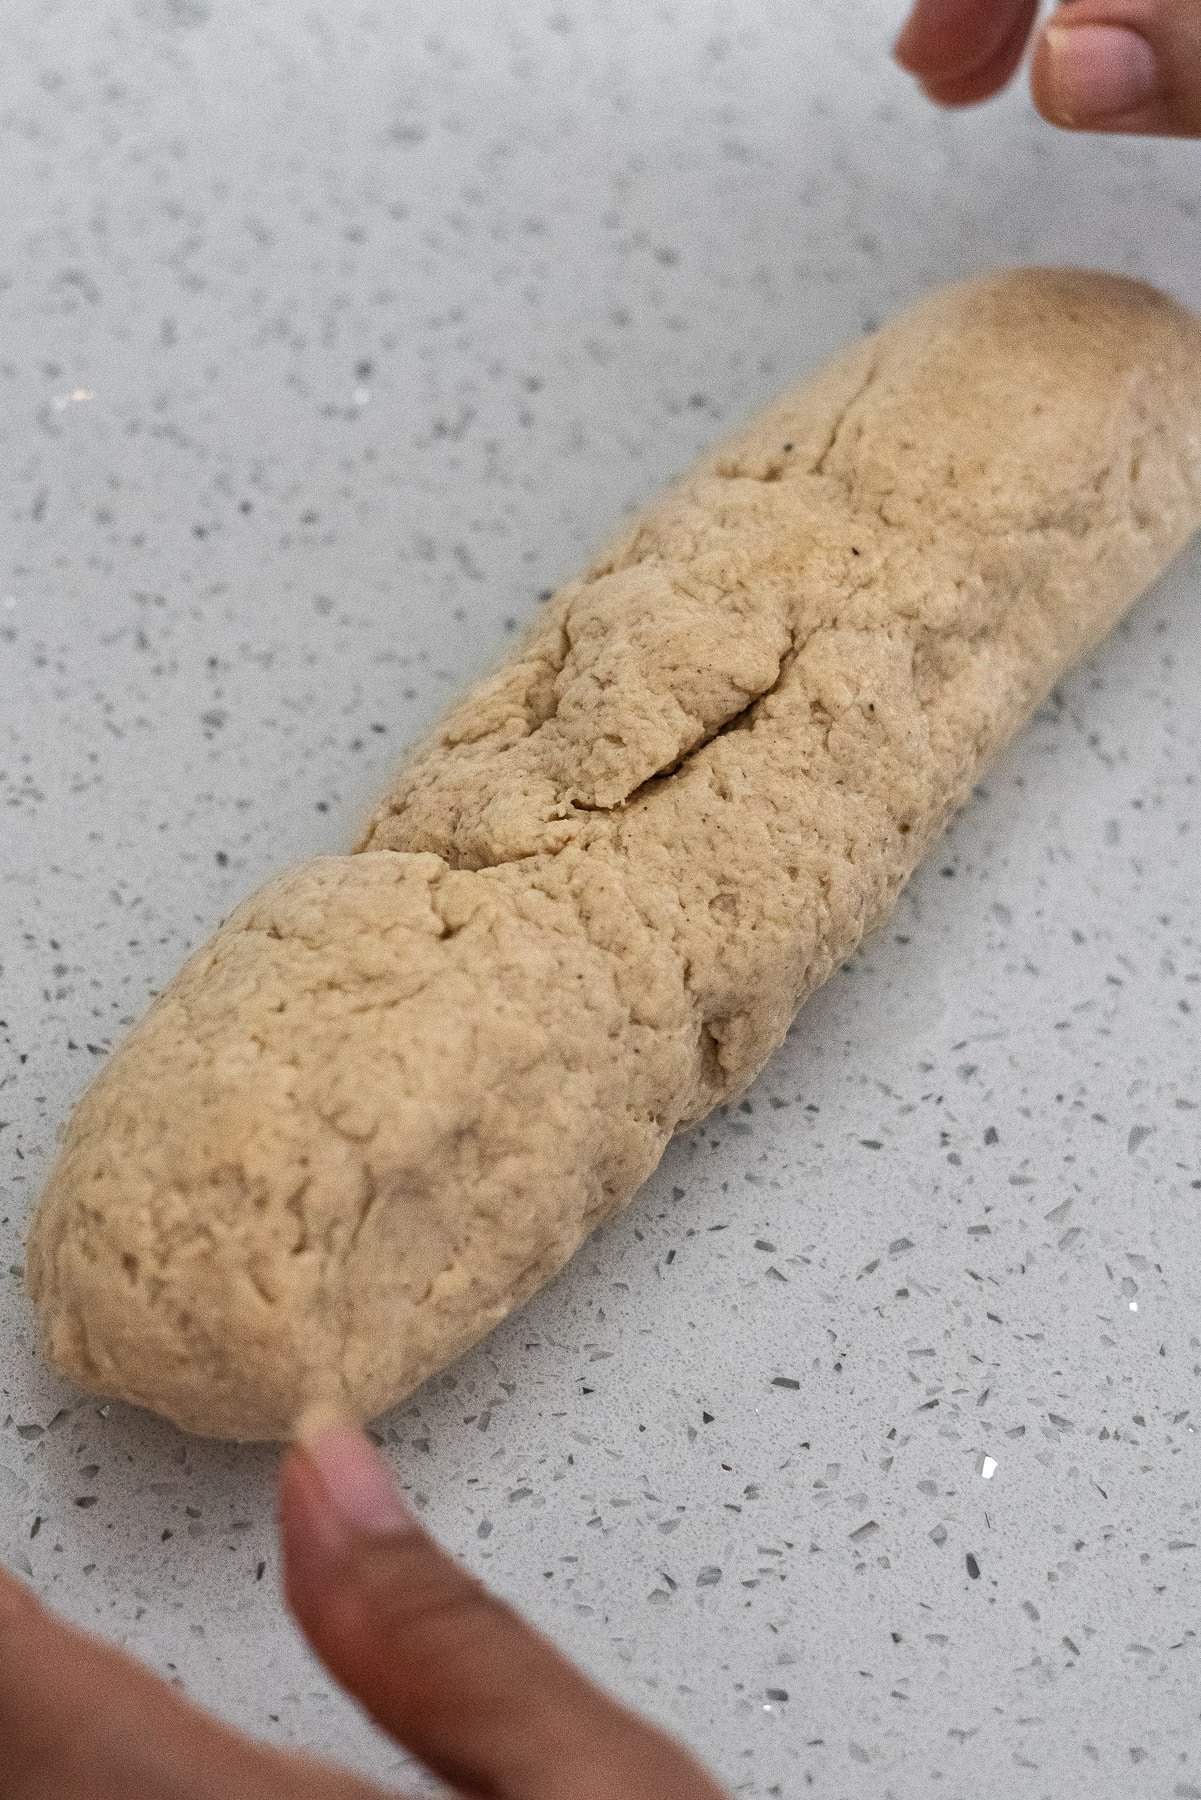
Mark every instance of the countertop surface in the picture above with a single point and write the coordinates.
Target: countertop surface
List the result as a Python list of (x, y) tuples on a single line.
[(332, 336)]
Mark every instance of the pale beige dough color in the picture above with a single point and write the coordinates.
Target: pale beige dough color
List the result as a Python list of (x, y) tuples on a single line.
[(398, 1088)]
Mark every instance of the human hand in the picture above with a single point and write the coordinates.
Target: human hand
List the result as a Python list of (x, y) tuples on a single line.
[(1098, 65), (464, 1683)]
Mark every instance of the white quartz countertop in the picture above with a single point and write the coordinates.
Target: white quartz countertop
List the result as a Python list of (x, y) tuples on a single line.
[(861, 1450)]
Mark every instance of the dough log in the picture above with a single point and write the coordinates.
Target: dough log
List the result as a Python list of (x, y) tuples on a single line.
[(398, 1088)]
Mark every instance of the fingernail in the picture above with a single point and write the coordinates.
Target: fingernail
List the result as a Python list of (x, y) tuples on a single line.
[(1097, 72), (357, 1481)]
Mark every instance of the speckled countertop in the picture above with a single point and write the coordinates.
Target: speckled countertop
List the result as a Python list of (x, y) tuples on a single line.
[(333, 334)]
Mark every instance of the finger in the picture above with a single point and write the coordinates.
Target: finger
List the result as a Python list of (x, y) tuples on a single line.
[(456, 1676), (990, 77), (80, 1720), (1130, 66), (950, 43)]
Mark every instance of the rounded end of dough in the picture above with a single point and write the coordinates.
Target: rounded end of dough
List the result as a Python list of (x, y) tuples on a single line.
[(358, 1128), (199, 1247)]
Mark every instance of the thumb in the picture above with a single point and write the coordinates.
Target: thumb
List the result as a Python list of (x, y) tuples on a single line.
[(1129, 66), (453, 1674)]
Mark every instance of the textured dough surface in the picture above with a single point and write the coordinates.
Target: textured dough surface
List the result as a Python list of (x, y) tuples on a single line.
[(398, 1088)]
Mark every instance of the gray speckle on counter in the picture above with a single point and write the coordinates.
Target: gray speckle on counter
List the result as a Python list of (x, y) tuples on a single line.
[(862, 1450)]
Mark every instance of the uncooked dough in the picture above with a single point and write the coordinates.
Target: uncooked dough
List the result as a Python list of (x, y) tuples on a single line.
[(398, 1088)]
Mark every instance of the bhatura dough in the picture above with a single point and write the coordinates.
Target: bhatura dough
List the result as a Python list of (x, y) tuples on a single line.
[(399, 1088)]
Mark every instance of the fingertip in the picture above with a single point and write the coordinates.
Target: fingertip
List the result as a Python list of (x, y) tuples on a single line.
[(906, 49), (359, 1486), (946, 42), (961, 53), (338, 1504), (312, 1541), (1095, 75)]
